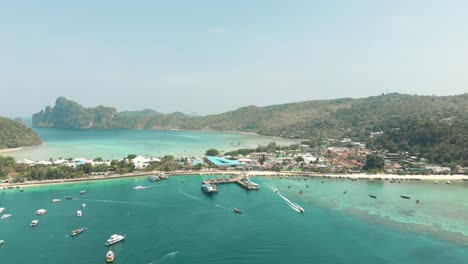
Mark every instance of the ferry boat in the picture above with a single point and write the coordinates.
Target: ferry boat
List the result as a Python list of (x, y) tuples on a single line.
[(56, 200), (154, 178), (5, 216), (82, 192), (2, 209), (208, 188), (77, 231), (41, 212), (114, 239), (34, 223), (110, 256), (79, 213)]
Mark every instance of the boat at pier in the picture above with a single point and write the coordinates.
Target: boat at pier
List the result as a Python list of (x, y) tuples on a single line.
[(209, 188), (154, 178)]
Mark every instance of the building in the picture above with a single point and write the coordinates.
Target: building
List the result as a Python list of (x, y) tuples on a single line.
[(222, 163)]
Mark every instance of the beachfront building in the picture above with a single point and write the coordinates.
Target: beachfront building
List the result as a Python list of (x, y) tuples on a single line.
[(141, 162), (222, 163), (263, 157)]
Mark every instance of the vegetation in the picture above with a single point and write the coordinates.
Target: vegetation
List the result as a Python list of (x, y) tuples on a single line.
[(212, 152), (374, 163), (14, 134)]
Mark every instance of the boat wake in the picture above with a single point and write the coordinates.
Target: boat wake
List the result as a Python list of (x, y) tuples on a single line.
[(111, 201), (198, 199), (296, 207), (168, 255)]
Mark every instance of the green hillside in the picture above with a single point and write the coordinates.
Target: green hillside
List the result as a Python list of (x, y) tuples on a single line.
[(14, 134), (345, 117)]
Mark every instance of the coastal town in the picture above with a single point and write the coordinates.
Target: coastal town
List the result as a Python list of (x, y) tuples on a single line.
[(332, 157)]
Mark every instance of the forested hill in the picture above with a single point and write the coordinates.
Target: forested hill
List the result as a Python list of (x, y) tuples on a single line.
[(344, 117), (14, 134)]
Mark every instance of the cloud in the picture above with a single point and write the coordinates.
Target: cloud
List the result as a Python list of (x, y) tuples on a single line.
[(217, 31)]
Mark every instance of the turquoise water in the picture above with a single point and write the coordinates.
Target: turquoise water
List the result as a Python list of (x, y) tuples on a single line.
[(174, 222), (110, 144)]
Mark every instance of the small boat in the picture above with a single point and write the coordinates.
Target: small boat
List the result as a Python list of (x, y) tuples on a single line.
[(345, 192), (41, 212), (209, 188), (301, 191), (372, 196), (82, 192), (79, 213), (56, 200), (405, 197), (307, 185), (448, 182), (138, 187), (2, 209), (34, 223), (114, 239), (68, 197), (436, 182), (301, 210), (154, 178), (276, 191), (77, 231), (237, 211), (5, 216), (83, 205), (289, 187), (110, 256), (417, 201), (21, 189), (2, 242)]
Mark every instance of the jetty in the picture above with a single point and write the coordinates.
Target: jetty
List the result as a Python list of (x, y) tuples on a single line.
[(242, 180)]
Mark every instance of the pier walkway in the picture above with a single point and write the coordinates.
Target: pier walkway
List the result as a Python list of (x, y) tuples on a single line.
[(241, 180)]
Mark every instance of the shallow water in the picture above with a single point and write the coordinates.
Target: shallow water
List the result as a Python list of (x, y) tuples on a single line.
[(173, 221), (110, 144)]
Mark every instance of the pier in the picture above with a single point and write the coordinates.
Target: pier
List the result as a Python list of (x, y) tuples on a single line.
[(241, 180)]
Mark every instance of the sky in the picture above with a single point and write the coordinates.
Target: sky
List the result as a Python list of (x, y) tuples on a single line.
[(214, 56)]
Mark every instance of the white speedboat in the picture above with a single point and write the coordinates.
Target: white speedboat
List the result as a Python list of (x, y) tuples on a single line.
[(114, 239), (2, 209), (79, 213), (5, 216), (56, 200), (41, 212), (34, 223), (138, 187), (83, 205), (2, 242), (82, 192)]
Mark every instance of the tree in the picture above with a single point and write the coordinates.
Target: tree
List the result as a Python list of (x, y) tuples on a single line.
[(374, 162), (131, 156), (212, 152), (98, 159)]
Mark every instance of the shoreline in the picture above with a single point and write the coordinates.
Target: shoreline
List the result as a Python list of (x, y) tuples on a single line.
[(293, 175)]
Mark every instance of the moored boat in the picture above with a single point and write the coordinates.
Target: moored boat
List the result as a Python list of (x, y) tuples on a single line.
[(2, 209), (68, 197), (114, 239), (154, 178), (5, 216), (77, 231), (56, 200), (41, 212), (34, 223), (79, 213), (83, 205), (405, 197), (372, 196), (209, 188), (2, 242), (110, 256)]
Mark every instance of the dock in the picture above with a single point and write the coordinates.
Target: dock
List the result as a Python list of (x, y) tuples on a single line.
[(241, 180)]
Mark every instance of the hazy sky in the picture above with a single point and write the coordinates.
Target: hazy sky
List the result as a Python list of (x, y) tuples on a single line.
[(213, 56)]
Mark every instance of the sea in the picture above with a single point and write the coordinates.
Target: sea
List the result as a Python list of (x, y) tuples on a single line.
[(118, 143), (173, 221)]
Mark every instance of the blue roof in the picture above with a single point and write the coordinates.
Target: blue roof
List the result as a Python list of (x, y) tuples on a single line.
[(222, 162)]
